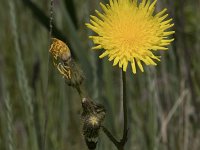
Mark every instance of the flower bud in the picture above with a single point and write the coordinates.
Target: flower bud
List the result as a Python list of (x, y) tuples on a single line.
[(92, 116)]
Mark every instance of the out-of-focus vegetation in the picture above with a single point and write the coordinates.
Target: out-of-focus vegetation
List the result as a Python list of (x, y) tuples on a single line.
[(39, 111)]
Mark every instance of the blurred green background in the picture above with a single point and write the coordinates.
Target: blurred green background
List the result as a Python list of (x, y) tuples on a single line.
[(39, 111)]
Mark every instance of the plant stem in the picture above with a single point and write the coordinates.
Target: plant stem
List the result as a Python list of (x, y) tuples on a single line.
[(110, 136), (47, 79), (79, 90), (120, 144), (124, 97)]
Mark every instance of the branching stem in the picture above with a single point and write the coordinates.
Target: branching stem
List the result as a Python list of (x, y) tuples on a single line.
[(120, 144)]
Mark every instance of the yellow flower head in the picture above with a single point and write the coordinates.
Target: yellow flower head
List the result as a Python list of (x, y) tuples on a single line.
[(130, 32)]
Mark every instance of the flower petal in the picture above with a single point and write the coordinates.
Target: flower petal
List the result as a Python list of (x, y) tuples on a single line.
[(133, 66), (104, 54), (97, 47), (116, 60), (140, 65), (125, 65)]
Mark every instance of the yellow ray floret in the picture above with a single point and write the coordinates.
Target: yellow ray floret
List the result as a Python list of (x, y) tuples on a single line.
[(131, 32)]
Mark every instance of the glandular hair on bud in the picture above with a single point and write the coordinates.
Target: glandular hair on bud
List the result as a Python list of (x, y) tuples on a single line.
[(92, 116), (76, 74)]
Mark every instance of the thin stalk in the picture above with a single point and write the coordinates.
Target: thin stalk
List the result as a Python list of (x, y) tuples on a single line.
[(120, 144), (124, 138), (47, 79), (51, 18), (80, 92), (111, 137), (9, 122)]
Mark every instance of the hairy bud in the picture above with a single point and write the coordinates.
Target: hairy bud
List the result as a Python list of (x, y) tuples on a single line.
[(93, 115)]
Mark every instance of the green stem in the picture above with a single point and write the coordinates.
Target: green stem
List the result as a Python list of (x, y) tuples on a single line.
[(79, 90), (111, 137), (47, 79), (120, 144), (124, 138)]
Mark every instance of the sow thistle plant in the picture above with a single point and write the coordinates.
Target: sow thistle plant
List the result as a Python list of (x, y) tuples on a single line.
[(127, 32), (130, 32)]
